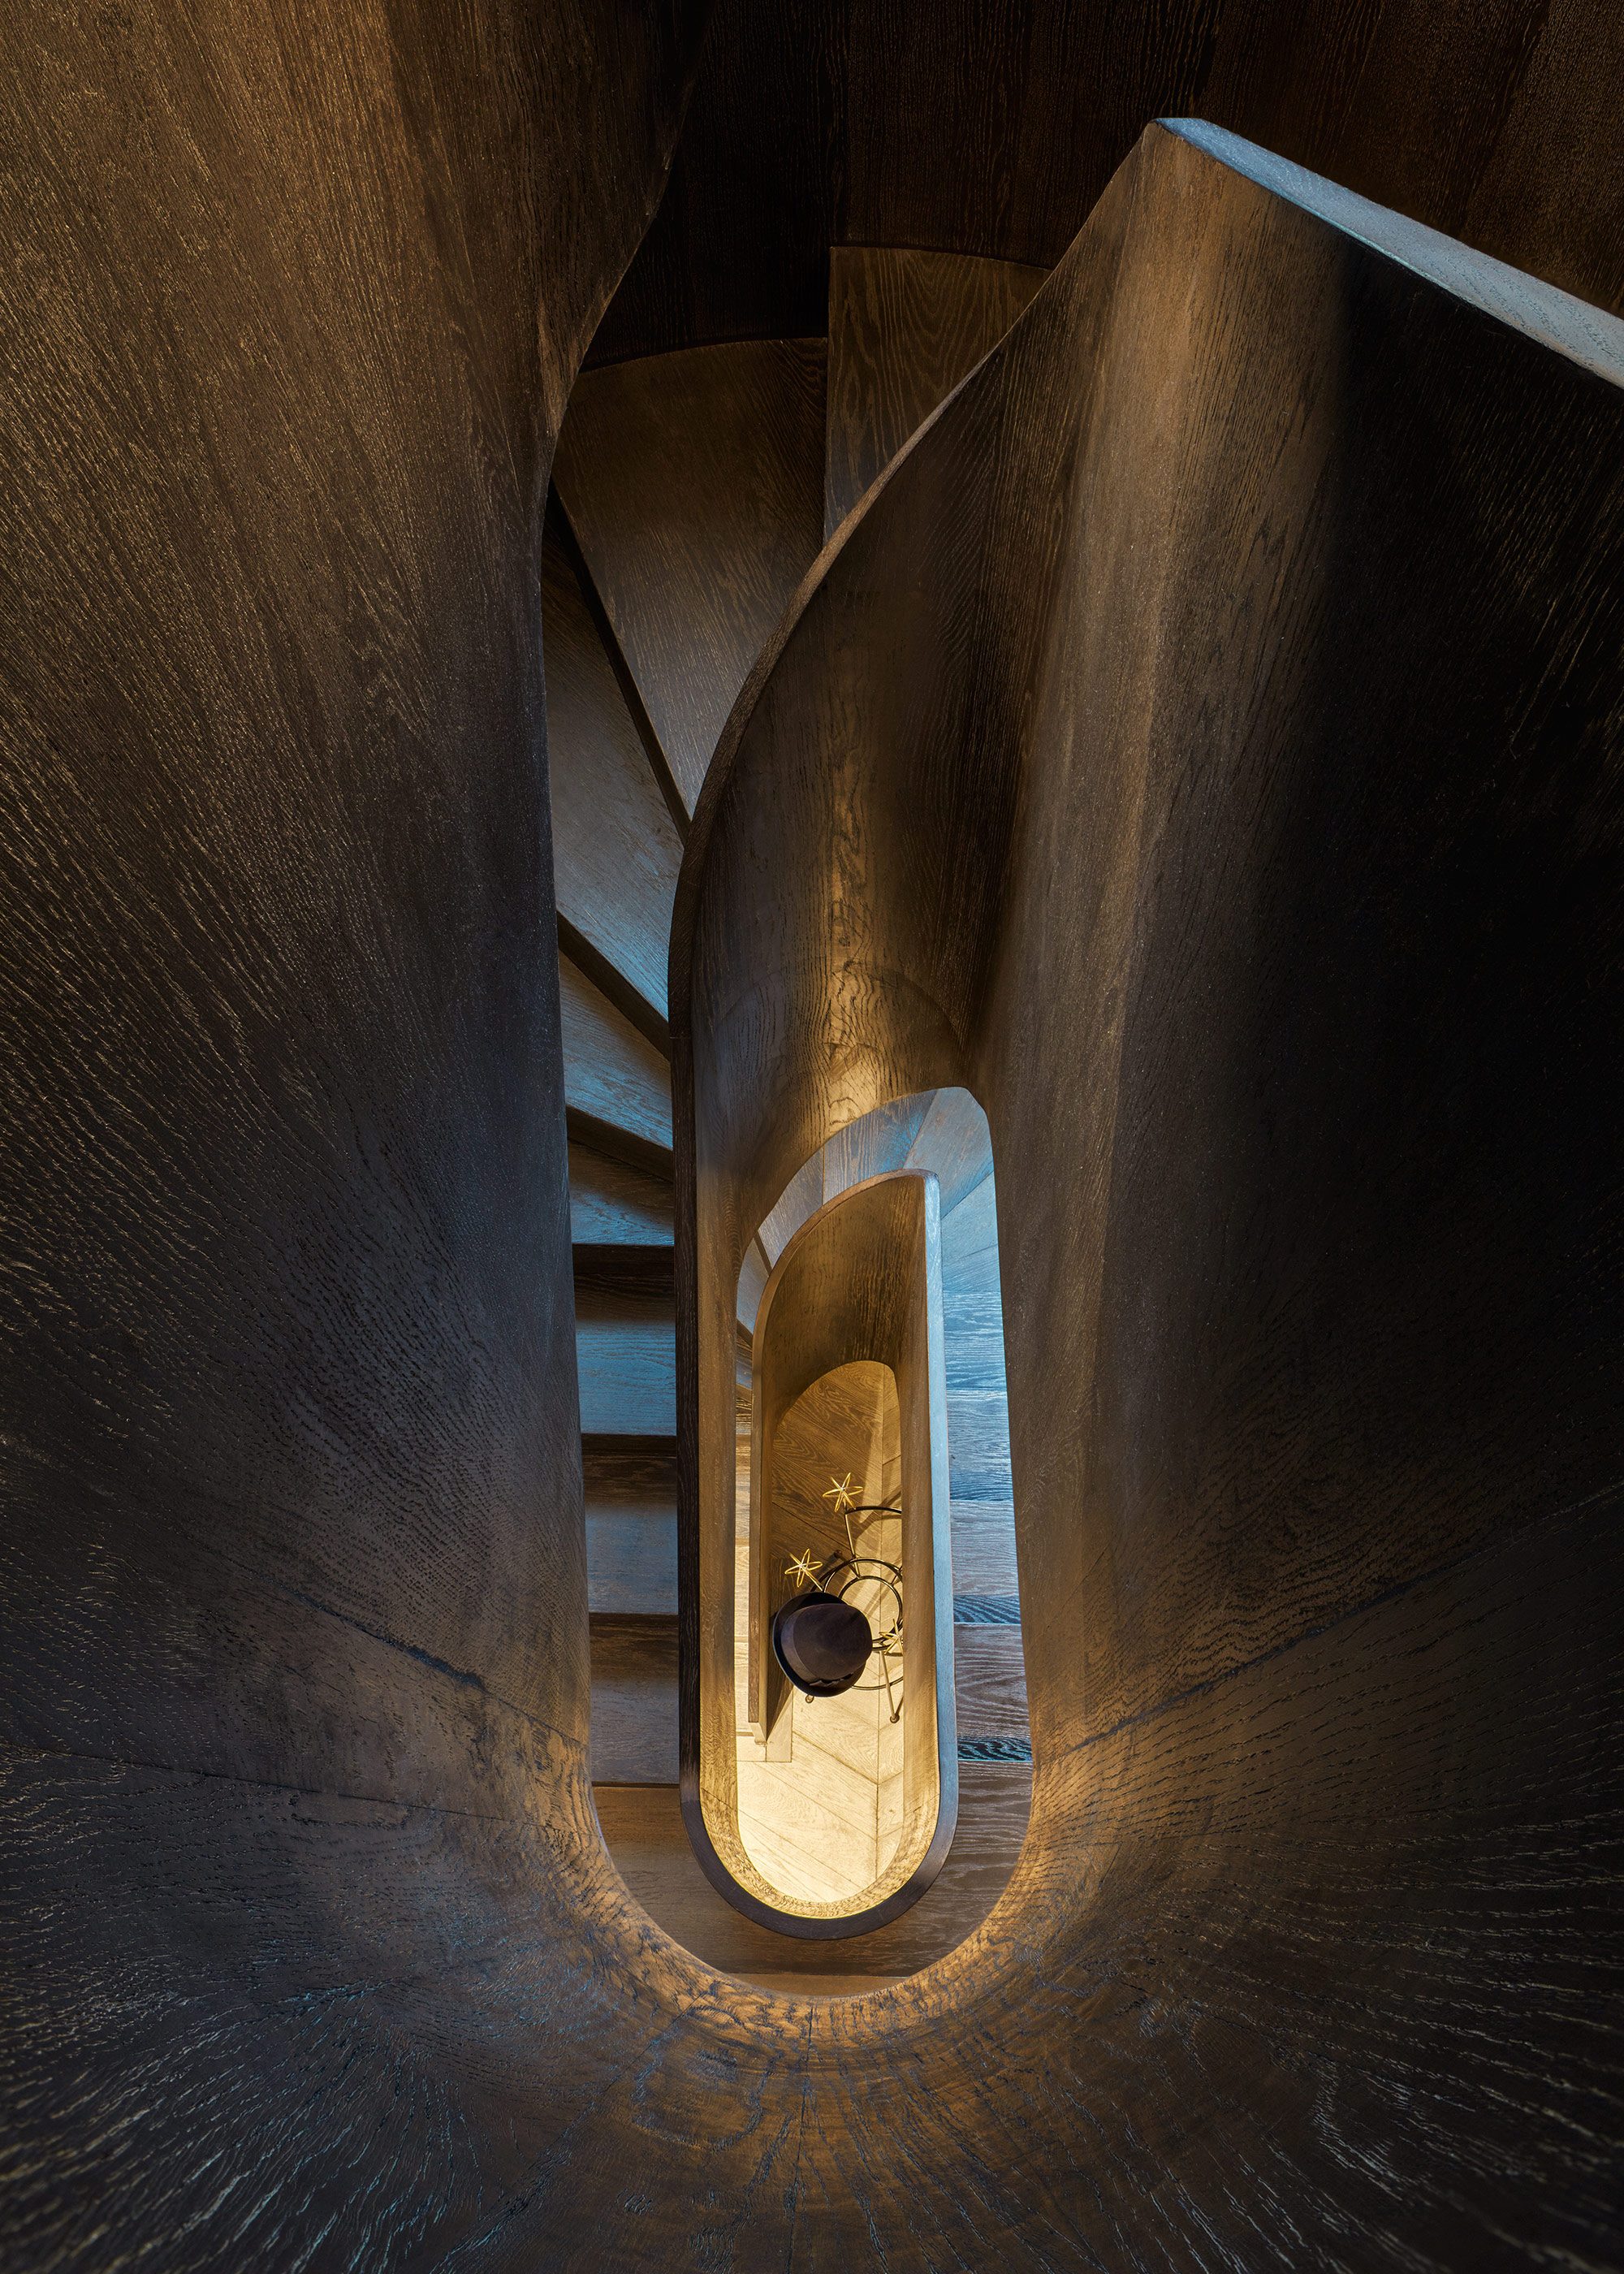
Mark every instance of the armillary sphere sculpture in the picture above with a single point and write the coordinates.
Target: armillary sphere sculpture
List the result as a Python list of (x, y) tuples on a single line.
[(822, 1640)]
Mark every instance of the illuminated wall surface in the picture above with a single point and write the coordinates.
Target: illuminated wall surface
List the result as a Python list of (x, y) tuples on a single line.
[(615, 627), (820, 1796)]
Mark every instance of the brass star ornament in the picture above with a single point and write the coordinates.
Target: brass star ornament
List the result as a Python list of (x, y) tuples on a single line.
[(840, 1492), (804, 1569)]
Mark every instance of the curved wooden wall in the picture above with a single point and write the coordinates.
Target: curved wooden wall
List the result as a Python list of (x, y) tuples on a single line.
[(295, 1658), (990, 127), (862, 1278), (1297, 571), (1210, 729), (904, 328)]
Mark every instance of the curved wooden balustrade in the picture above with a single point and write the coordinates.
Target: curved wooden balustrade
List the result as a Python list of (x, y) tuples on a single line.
[(860, 1279), (1202, 745), (1205, 747), (941, 1135)]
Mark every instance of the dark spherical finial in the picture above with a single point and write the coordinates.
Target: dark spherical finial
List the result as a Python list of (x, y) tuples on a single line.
[(822, 1643)]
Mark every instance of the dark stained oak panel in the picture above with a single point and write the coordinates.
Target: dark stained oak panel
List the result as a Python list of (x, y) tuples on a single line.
[(626, 1267), (295, 1666), (1211, 726), (904, 327), (634, 1699), (615, 849), (694, 484), (1206, 748), (612, 1201), (991, 127), (612, 1073), (622, 1468)]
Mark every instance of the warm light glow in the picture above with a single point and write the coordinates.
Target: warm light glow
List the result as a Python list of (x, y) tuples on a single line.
[(820, 1806)]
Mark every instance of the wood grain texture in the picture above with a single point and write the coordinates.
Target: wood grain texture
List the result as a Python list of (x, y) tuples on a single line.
[(612, 1073), (695, 487), (615, 849), (753, 1275), (629, 1468), (612, 1202), (984, 1560), (295, 1655), (562, 536), (801, 1198), (642, 1826), (840, 1423), (811, 1985), (631, 1564), (986, 1610), (1289, 978), (970, 1242), (631, 1530), (943, 1133), (873, 1146), (1214, 726), (625, 1356), (904, 327), (991, 127), (989, 1680), (978, 1445), (630, 1267), (634, 1699)]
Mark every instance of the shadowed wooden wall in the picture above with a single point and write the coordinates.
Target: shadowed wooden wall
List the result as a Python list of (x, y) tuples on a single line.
[(1235, 807), (1270, 903), (989, 128), (295, 1620)]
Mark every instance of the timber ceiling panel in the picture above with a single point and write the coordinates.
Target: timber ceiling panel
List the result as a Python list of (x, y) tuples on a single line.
[(991, 126)]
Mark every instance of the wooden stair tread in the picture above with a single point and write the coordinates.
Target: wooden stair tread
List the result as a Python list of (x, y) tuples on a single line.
[(631, 1528), (613, 1075), (625, 1360), (615, 850), (621, 1266), (633, 1724), (613, 1202)]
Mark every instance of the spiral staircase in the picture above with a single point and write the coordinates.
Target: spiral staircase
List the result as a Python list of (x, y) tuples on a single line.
[(1180, 707), (693, 491)]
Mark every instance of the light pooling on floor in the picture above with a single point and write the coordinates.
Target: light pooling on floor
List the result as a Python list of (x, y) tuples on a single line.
[(820, 1804), (814, 1846)]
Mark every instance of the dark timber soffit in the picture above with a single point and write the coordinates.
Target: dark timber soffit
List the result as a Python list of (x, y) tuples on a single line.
[(958, 128)]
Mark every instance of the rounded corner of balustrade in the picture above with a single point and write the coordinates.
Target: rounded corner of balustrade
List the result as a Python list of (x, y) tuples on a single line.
[(797, 1924)]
